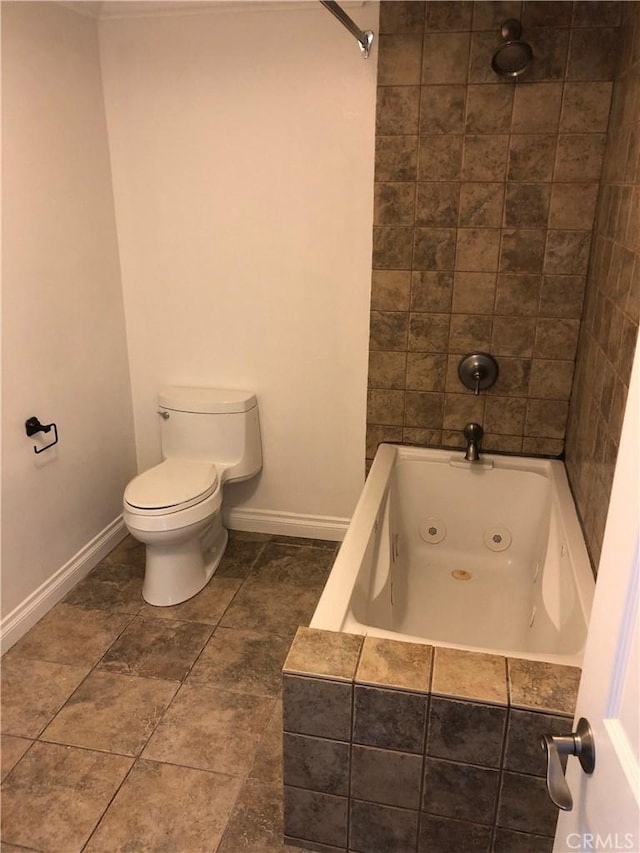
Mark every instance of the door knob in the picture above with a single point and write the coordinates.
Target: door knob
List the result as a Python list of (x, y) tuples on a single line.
[(579, 743)]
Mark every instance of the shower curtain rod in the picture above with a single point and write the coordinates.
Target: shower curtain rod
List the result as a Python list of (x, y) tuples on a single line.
[(365, 38)]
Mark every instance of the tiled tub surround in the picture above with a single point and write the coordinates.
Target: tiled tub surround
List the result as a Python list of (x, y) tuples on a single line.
[(609, 330), (484, 202), (130, 727), (393, 746)]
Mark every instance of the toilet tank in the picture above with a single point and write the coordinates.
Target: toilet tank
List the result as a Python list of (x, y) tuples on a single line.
[(212, 424)]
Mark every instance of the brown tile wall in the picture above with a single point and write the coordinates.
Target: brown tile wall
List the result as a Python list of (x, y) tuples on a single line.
[(610, 326), (485, 195)]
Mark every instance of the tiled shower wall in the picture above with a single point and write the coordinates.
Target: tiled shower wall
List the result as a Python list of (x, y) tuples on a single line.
[(610, 328), (485, 197)]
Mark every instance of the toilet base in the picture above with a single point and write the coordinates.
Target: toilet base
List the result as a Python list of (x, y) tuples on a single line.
[(176, 572)]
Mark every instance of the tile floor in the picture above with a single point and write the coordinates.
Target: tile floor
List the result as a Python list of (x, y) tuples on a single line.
[(127, 727)]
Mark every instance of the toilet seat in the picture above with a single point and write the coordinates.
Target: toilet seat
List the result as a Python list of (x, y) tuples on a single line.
[(172, 496), (172, 486)]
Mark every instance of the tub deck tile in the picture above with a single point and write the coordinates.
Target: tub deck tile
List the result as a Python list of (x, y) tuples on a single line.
[(540, 686), (325, 654), (470, 675), (389, 663)]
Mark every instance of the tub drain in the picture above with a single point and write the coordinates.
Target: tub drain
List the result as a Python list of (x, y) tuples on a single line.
[(461, 575), (433, 530)]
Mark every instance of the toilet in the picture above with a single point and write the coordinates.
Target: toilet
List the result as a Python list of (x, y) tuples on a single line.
[(209, 436)]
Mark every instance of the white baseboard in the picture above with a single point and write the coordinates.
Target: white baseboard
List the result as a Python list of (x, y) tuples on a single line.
[(34, 606), (286, 523)]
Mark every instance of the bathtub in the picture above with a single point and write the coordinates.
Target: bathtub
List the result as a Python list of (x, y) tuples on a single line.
[(485, 556)]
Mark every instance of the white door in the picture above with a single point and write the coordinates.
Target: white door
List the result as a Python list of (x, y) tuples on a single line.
[(606, 809)]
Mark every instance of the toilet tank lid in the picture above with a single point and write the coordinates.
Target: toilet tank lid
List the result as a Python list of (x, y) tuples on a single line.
[(206, 400)]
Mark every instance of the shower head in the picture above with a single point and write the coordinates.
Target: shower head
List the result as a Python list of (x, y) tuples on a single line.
[(513, 56)]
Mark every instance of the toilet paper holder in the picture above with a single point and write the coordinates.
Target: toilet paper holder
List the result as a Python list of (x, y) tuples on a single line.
[(33, 426)]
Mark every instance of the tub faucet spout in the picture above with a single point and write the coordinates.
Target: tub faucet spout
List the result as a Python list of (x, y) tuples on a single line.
[(473, 434)]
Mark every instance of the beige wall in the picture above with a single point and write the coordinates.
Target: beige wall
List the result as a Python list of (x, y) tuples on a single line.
[(63, 339), (485, 196), (242, 153), (610, 327)]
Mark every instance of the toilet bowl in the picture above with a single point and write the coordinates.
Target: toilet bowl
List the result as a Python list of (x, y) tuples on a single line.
[(209, 437)]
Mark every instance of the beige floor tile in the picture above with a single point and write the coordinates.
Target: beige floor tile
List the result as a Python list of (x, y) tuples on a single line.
[(267, 764), (203, 740), (249, 536), (302, 541), (110, 712), (113, 588), (307, 567), (240, 555), (71, 635), (165, 808), (11, 751), (157, 648), (206, 607), (33, 691), (54, 798), (210, 729), (256, 823), (242, 661), (271, 608), (130, 553)]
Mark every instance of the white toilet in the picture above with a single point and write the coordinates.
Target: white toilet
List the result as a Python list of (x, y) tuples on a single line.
[(209, 436)]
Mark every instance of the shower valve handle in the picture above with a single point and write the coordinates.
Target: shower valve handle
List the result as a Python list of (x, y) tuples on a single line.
[(478, 371), (579, 743)]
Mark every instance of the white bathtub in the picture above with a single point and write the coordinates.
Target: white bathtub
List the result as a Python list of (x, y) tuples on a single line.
[(486, 556)]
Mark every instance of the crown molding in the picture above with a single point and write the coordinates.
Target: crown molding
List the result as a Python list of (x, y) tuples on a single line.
[(117, 9)]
